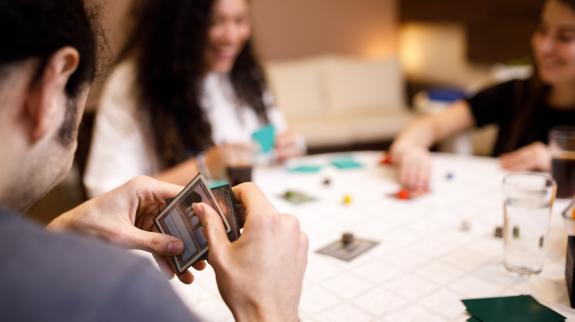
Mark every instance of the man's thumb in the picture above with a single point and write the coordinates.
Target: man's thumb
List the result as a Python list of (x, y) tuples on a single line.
[(213, 226)]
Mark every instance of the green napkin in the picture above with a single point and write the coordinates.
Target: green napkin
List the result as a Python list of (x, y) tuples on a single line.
[(473, 319), (522, 308)]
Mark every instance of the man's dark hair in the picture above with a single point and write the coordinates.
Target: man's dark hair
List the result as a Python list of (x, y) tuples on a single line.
[(36, 29), (168, 43)]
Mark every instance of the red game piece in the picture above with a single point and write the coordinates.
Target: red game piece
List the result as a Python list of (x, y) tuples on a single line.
[(403, 194), (386, 159)]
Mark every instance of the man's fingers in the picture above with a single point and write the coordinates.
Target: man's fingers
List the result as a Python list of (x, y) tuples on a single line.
[(186, 277), (152, 189), (164, 265), (158, 243), (199, 266), (213, 227), (168, 270), (304, 246), (253, 198)]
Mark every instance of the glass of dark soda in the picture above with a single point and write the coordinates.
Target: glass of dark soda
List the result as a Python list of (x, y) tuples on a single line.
[(562, 144), (239, 159)]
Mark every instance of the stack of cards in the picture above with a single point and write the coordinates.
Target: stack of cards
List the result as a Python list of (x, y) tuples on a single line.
[(232, 210), (522, 308), (178, 219)]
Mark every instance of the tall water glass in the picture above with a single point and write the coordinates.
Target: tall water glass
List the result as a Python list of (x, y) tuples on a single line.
[(528, 201)]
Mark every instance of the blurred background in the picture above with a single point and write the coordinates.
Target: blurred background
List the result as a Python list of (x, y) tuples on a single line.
[(349, 75)]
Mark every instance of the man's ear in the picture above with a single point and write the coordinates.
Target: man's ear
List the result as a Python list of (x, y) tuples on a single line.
[(47, 95)]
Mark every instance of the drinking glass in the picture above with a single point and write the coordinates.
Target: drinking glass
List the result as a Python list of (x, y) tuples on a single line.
[(528, 201), (239, 159)]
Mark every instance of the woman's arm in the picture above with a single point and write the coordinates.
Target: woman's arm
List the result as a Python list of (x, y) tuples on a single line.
[(410, 150), (213, 167)]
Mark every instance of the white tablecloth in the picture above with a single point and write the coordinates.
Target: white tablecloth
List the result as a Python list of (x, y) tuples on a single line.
[(425, 262)]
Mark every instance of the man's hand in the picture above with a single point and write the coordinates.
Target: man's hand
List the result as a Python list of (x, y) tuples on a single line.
[(259, 275), (414, 166), (535, 156), (125, 217)]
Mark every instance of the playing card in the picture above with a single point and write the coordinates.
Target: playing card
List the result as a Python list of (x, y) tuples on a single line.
[(345, 163), (178, 219), (225, 198), (265, 137), (347, 252), (296, 197)]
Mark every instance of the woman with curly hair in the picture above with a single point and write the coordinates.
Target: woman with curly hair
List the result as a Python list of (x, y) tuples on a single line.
[(188, 82)]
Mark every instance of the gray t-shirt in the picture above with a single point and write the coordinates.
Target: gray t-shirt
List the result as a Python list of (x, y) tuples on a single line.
[(63, 277)]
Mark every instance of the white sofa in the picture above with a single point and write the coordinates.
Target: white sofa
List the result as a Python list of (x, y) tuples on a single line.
[(339, 101)]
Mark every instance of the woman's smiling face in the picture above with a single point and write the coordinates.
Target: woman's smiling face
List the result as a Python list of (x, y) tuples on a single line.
[(553, 43), (228, 33)]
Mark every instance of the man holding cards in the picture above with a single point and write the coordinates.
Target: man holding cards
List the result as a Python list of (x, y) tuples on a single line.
[(46, 64)]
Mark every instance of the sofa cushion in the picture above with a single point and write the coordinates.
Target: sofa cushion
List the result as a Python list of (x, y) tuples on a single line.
[(363, 86), (298, 88), (340, 101), (351, 129)]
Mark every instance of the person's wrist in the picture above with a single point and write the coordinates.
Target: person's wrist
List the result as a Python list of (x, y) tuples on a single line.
[(214, 162), (397, 151), (202, 165), (64, 222), (57, 224)]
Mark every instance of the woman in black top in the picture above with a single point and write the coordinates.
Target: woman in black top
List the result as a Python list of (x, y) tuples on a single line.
[(524, 110)]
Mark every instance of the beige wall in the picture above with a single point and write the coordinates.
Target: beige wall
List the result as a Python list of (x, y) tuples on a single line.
[(287, 29), (290, 29)]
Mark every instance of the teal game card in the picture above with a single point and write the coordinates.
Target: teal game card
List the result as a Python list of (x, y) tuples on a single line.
[(266, 138)]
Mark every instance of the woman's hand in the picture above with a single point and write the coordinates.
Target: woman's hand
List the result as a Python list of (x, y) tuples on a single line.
[(414, 166), (535, 156), (288, 145)]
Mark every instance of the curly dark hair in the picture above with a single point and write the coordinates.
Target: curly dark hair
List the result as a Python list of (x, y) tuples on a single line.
[(168, 42)]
